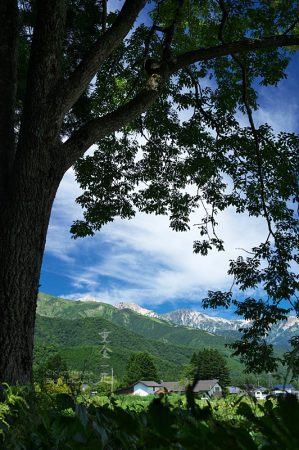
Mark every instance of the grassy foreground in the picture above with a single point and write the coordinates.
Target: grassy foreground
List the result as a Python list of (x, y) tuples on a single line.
[(57, 419)]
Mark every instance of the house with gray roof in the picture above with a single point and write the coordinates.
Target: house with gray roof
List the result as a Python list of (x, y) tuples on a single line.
[(173, 386), (208, 388)]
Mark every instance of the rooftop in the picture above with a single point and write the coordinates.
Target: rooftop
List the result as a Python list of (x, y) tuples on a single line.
[(204, 385), (173, 386), (149, 383)]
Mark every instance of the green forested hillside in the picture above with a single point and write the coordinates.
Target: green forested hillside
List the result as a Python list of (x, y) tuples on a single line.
[(73, 327), (148, 327), (79, 342)]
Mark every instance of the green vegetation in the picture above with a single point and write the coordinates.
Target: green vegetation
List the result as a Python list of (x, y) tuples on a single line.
[(79, 344), (140, 367), (208, 364), (54, 368), (148, 327), (34, 420), (71, 328)]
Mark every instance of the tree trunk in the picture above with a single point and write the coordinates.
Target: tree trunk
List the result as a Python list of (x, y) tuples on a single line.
[(24, 219), (8, 75)]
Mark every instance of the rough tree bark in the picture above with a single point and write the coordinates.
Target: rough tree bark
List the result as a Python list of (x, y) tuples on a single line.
[(29, 181), (32, 166), (34, 160), (23, 224), (8, 58)]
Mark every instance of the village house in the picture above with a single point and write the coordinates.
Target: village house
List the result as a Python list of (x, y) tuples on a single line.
[(260, 393), (173, 386), (206, 388), (278, 388), (143, 387)]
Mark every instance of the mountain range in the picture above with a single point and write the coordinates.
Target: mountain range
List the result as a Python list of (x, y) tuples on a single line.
[(279, 334), (74, 329)]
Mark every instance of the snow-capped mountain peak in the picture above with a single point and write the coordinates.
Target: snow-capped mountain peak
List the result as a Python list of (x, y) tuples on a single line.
[(279, 334), (196, 319), (138, 309)]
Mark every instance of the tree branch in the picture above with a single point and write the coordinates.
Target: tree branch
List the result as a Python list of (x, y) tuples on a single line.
[(98, 128), (245, 86), (72, 88), (169, 32), (247, 45), (46, 51), (104, 15)]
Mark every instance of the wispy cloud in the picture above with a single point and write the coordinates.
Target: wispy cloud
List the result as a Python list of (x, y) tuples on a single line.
[(143, 260)]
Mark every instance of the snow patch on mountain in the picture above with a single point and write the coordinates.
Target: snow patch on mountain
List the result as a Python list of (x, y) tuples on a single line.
[(196, 319), (136, 308), (279, 334)]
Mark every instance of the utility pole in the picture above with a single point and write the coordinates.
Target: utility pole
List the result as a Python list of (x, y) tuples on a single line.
[(269, 380)]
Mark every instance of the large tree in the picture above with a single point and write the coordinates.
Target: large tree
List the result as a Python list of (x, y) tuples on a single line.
[(75, 72), (141, 367), (208, 364)]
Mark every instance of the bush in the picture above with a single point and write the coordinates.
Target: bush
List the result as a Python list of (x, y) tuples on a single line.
[(37, 420)]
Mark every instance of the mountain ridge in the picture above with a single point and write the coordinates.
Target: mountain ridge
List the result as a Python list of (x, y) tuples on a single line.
[(184, 317), (279, 334), (72, 328)]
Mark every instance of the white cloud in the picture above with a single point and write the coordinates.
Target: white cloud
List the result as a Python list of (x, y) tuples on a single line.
[(142, 260), (279, 110)]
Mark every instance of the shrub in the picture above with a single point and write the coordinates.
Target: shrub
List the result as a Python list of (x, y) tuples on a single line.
[(37, 420)]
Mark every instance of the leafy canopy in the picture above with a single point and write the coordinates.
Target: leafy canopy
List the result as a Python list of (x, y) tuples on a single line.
[(189, 152)]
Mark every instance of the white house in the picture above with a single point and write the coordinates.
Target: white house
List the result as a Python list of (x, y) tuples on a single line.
[(146, 387), (206, 388), (260, 393)]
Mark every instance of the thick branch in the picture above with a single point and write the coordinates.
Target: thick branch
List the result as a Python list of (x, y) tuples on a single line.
[(8, 58), (247, 45), (46, 51), (72, 88), (104, 15), (98, 128), (169, 32), (40, 124)]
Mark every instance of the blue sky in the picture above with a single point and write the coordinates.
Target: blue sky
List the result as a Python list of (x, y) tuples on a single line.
[(142, 260)]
